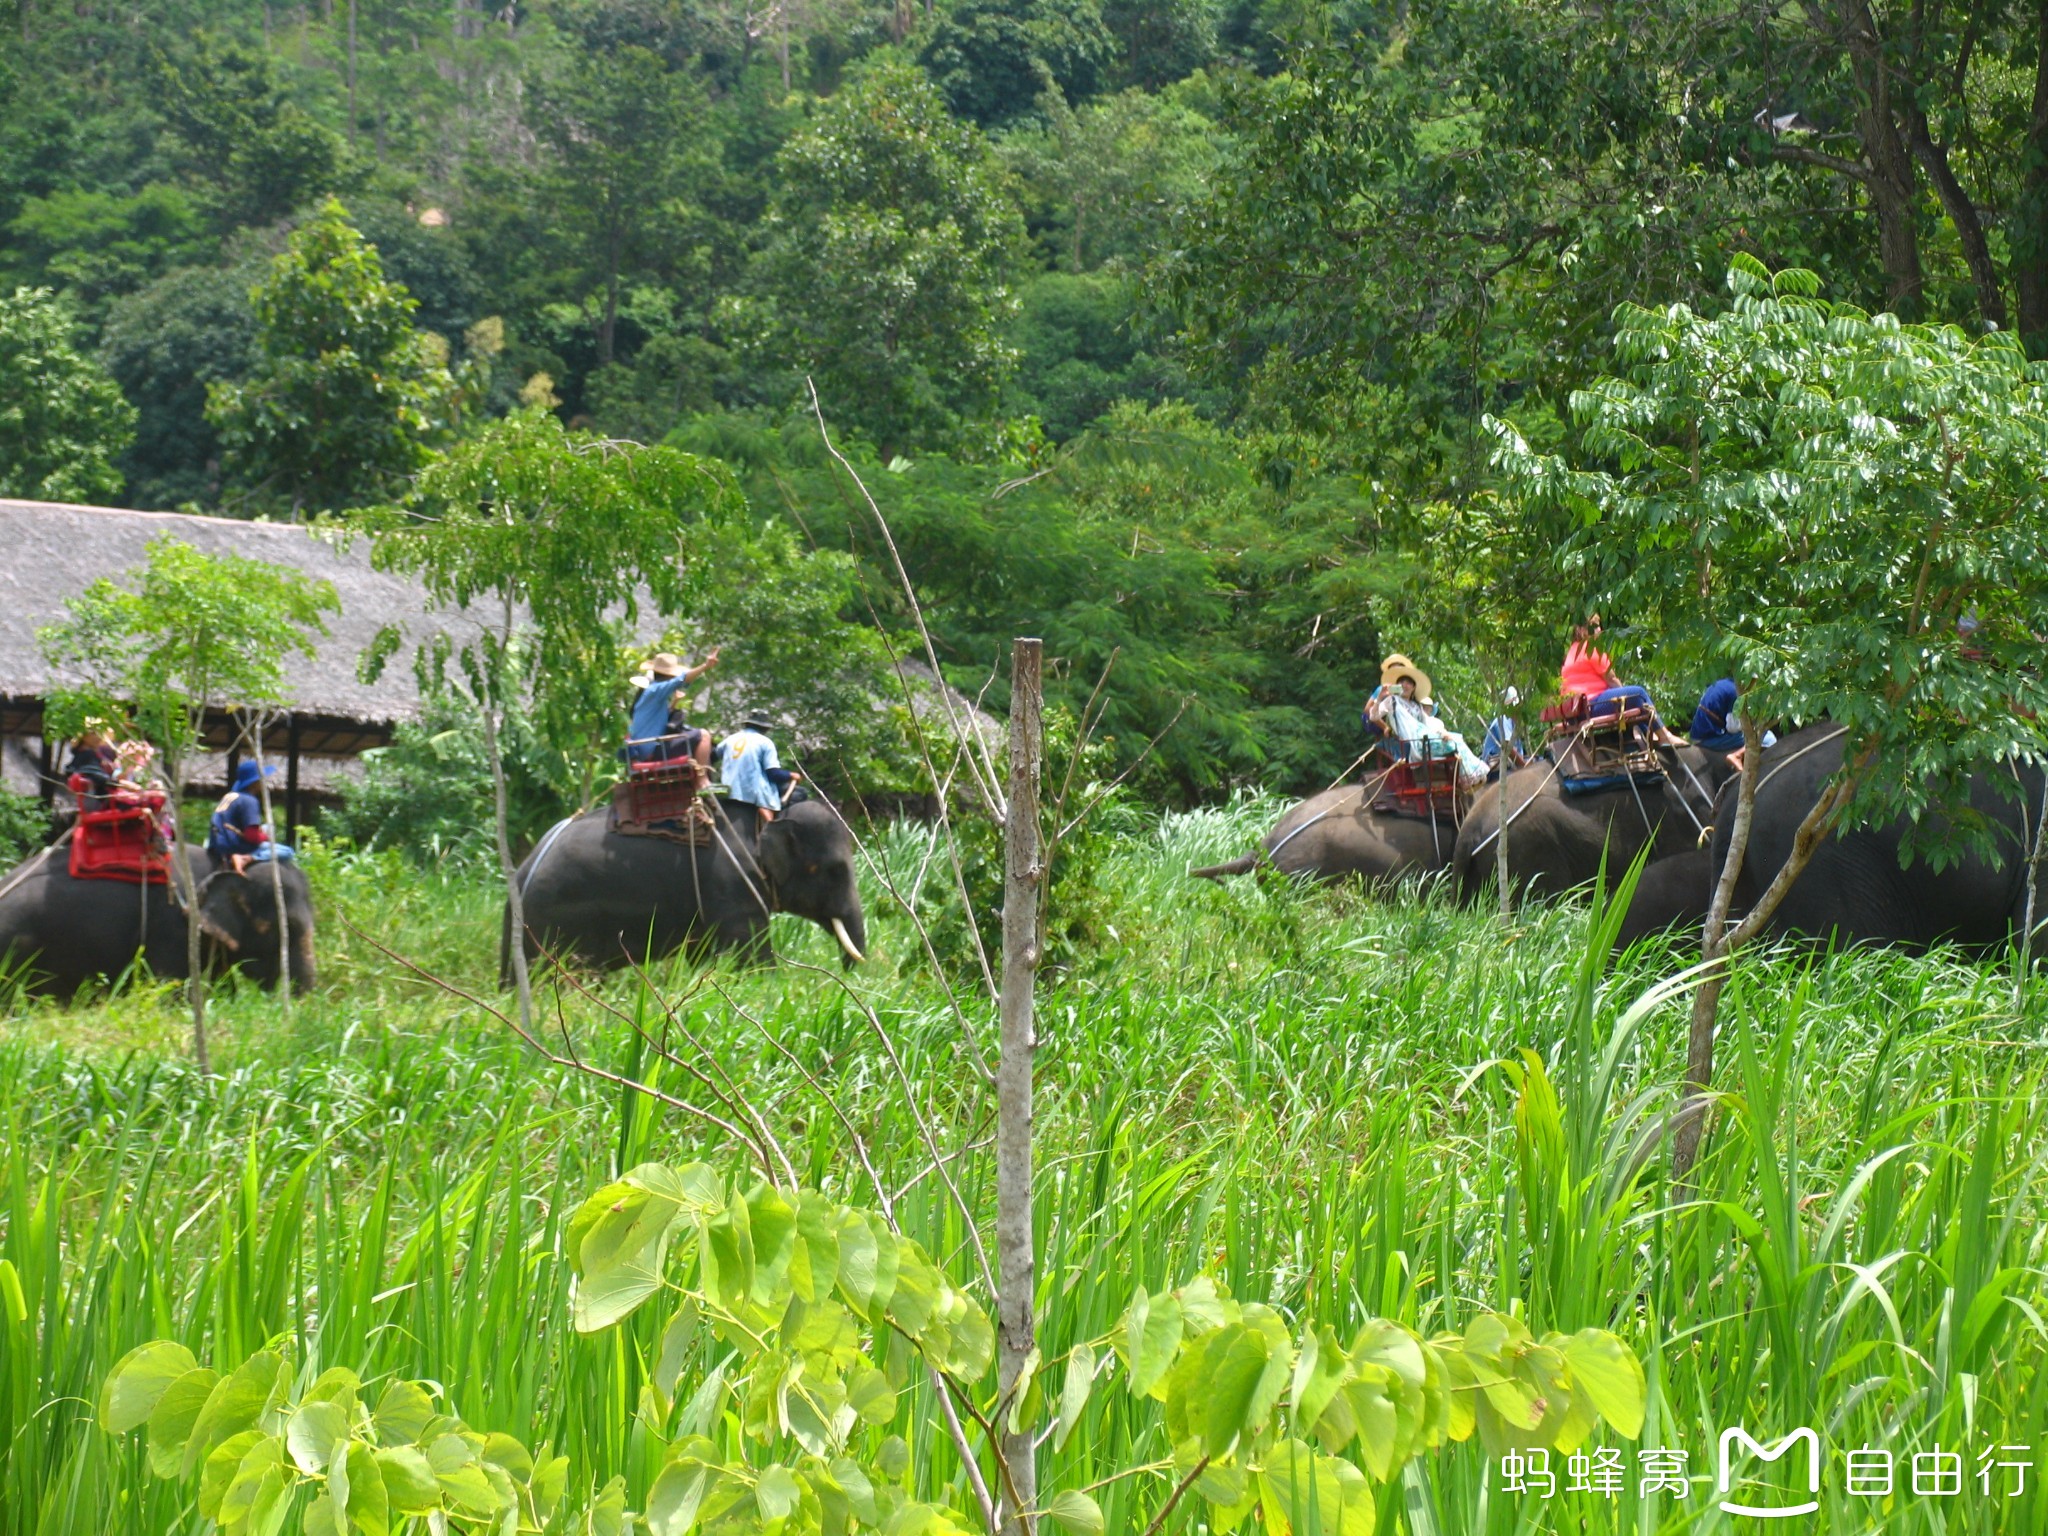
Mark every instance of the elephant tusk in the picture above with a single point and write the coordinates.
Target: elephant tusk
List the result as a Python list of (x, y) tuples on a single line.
[(846, 942)]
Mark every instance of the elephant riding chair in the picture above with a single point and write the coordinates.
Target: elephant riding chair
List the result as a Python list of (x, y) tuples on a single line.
[(1599, 741)]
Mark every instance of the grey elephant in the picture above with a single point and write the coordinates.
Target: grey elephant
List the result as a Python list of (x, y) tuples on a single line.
[(64, 933), (608, 900), (1557, 839), (1338, 835), (1857, 889)]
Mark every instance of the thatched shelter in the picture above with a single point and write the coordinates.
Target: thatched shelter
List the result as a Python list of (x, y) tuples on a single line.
[(53, 551)]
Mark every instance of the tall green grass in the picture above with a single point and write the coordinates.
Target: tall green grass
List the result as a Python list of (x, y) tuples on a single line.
[(1320, 1098)]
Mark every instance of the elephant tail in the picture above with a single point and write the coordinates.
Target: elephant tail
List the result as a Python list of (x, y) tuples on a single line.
[(1238, 866)]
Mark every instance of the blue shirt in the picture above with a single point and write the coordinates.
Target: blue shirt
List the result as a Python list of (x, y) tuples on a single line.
[(231, 827), (1716, 704), (650, 710), (746, 757), (1501, 733)]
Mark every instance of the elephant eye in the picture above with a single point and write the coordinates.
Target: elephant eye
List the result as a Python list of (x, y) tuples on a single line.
[(812, 867)]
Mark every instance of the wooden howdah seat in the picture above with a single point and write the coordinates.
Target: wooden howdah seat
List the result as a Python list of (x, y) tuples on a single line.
[(1601, 736), (1424, 786), (119, 836), (662, 798)]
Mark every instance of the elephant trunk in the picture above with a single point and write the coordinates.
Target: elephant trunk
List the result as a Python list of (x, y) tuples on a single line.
[(1238, 866)]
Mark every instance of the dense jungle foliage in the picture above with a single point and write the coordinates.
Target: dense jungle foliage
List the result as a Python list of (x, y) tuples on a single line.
[(1163, 327)]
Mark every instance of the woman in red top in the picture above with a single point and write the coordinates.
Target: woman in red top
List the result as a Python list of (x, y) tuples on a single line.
[(1587, 669)]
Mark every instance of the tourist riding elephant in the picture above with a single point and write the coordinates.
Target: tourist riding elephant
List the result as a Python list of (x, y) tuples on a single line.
[(1556, 838), (63, 933), (608, 900), (1337, 835)]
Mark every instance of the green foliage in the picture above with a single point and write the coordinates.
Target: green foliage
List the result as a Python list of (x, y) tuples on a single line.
[(99, 245), (194, 633), (991, 58), (553, 536), (429, 795), (888, 255), (783, 1300), (262, 1443), (24, 826), (62, 421), (166, 345), (1832, 492), (627, 135), (254, 153), (347, 396)]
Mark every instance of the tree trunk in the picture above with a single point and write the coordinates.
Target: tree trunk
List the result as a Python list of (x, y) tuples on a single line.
[(2030, 212), (2033, 878), (1962, 214), (1892, 184), (1023, 879)]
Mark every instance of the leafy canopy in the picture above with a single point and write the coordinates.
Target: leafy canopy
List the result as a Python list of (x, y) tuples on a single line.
[(62, 420), (1812, 499), (346, 396), (557, 538), (887, 267), (196, 632)]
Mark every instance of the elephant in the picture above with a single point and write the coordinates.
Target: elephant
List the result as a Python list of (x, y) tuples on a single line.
[(1856, 889), (1337, 835), (66, 932), (1557, 840), (608, 900), (1671, 893)]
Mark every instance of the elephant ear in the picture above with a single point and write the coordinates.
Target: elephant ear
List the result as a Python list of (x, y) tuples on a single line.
[(214, 897), (777, 852)]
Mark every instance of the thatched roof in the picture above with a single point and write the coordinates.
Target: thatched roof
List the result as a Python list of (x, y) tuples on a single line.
[(53, 551)]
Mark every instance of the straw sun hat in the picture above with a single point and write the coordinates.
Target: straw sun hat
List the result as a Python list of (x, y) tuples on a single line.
[(1396, 667)]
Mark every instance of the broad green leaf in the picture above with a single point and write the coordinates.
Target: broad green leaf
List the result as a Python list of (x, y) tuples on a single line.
[(312, 1433), (1203, 1305), (1152, 1335), (1318, 1372), (143, 1375), (218, 1475), (888, 1259), (321, 1517), (814, 1268), (504, 1451), (867, 1390), (409, 1484), (1226, 1384), (772, 1221), (973, 1343), (607, 1514), (260, 1476), (369, 1506), (777, 1493), (403, 1413), (916, 1295), (461, 1477), (677, 1494), (1607, 1371), (338, 1384), (339, 1487), (729, 1256), (1304, 1491), (619, 1261), (893, 1459), (676, 1340), (172, 1420), (550, 1481), (236, 1403), (1074, 1511), (857, 1261), (860, 1493), (694, 1186), (1074, 1391), (1370, 1400), (1279, 1363), (1021, 1391)]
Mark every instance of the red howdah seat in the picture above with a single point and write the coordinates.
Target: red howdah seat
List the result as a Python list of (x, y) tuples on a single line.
[(118, 836)]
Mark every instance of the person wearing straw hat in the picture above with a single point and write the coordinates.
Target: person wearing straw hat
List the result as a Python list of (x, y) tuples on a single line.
[(752, 770), (1401, 706), (659, 732)]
